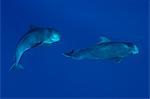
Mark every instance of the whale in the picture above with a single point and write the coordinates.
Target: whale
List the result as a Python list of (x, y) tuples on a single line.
[(34, 37), (105, 49)]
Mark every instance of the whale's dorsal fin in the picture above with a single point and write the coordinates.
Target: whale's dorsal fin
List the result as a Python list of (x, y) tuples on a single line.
[(32, 27), (104, 39)]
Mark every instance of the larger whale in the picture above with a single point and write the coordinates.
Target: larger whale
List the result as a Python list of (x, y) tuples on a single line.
[(36, 36), (106, 49)]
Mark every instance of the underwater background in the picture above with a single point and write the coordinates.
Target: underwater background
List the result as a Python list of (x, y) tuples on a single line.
[(48, 74)]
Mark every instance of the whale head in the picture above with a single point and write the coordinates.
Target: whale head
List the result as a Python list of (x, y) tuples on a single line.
[(133, 48), (52, 36)]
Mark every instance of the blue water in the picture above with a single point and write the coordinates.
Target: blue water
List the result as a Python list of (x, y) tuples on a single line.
[(49, 74)]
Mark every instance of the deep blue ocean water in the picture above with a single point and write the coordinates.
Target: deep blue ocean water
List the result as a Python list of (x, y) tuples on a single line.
[(49, 74)]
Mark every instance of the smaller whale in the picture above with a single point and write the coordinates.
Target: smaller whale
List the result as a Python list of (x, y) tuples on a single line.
[(105, 49), (35, 37)]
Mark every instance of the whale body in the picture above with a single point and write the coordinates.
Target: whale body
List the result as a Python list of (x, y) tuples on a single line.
[(36, 36), (106, 49)]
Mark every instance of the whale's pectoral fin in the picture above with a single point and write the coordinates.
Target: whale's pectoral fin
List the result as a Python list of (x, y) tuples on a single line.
[(16, 67), (117, 60), (36, 44)]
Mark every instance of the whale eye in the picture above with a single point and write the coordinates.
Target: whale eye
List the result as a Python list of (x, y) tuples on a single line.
[(129, 44)]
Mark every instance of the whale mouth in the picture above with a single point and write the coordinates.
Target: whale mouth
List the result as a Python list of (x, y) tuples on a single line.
[(135, 50)]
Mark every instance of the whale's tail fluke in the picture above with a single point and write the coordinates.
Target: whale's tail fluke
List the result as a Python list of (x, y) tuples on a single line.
[(16, 67), (69, 54)]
